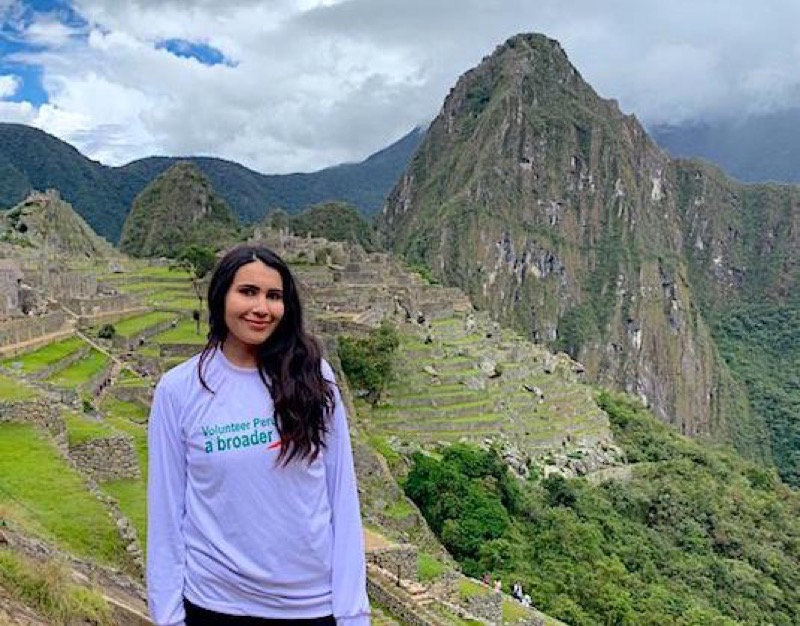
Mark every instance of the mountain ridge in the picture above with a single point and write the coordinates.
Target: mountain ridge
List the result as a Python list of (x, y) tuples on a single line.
[(31, 159)]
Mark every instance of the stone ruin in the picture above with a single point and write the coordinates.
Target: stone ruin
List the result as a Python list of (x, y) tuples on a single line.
[(10, 283)]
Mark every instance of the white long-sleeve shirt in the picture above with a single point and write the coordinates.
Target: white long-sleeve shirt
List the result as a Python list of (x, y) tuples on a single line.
[(231, 530)]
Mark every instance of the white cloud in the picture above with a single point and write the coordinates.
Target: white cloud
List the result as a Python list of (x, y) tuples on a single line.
[(316, 82), (9, 85)]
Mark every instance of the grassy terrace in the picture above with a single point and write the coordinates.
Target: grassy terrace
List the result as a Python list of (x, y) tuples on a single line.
[(130, 493), (14, 391), (80, 372), (45, 356), (184, 332), (133, 325), (41, 492), (81, 428)]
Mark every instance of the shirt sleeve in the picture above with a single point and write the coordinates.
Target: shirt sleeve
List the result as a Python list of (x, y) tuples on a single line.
[(350, 602), (166, 489)]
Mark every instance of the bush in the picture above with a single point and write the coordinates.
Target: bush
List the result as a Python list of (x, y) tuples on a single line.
[(107, 331), (368, 362)]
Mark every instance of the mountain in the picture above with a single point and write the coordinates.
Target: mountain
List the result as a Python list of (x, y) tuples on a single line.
[(45, 222), (558, 213), (31, 159), (759, 148), (177, 209)]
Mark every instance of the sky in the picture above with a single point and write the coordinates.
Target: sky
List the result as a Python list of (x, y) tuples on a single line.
[(297, 85)]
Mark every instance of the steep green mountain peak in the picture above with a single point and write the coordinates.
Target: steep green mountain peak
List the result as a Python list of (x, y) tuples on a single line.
[(177, 209), (556, 212)]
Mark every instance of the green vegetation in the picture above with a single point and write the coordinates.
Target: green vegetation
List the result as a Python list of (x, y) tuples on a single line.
[(178, 212), (42, 493), (336, 221), (48, 589), (81, 429), (761, 345), (81, 371), (367, 362), (13, 391), (698, 536), (46, 356), (133, 325), (184, 332), (429, 567)]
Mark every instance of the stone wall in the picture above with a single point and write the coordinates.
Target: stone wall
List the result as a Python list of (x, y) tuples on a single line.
[(488, 606), (399, 560), (108, 458), (140, 394), (100, 380), (110, 317), (61, 283), (31, 327), (39, 411), (383, 591), (129, 343), (97, 304), (179, 349)]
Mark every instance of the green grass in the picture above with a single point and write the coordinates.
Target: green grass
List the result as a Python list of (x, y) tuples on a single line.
[(158, 272), (49, 590), (132, 325), (468, 588), (130, 411), (513, 611), (184, 332), (46, 355), (13, 390), (132, 498), (399, 509), (429, 567), (42, 493), (80, 372), (81, 429)]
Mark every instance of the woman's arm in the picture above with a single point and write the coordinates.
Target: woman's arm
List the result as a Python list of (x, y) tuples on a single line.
[(166, 492), (350, 602)]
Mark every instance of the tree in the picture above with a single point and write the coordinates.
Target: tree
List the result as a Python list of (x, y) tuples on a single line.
[(198, 261)]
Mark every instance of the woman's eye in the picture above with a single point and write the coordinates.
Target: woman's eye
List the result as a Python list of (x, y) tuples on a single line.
[(274, 295), (248, 291)]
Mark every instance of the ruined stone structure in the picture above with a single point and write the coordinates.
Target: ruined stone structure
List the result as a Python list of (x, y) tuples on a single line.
[(108, 458), (10, 278), (27, 328)]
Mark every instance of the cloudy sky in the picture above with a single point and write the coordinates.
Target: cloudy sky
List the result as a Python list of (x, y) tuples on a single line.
[(297, 85)]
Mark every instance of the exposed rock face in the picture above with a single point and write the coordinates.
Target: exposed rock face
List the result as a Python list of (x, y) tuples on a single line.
[(177, 209), (555, 211), (45, 222)]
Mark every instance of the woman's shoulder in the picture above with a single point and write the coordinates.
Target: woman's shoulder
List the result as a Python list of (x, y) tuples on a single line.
[(327, 371)]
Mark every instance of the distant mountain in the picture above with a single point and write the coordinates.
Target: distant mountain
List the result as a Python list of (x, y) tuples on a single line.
[(758, 149), (179, 208), (30, 159)]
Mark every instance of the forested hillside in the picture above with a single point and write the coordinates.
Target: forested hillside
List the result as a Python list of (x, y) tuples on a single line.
[(31, 159)]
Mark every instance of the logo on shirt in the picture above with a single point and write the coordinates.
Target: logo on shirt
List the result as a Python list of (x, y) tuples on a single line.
[(259, 431)]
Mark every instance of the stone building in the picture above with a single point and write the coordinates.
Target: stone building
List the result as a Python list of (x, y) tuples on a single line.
[(10, 278)]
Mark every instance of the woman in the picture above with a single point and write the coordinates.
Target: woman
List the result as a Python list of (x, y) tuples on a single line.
[(253, 513)]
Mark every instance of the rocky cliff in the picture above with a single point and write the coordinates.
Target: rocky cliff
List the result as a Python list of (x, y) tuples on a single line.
[(555, 211)]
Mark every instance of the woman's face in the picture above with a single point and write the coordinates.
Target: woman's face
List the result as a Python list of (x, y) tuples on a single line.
[(253, 309)]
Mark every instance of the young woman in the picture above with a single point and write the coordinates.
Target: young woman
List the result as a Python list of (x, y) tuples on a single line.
[(253, 513)]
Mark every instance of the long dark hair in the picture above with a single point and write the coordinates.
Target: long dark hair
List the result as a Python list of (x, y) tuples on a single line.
[(289, 361)]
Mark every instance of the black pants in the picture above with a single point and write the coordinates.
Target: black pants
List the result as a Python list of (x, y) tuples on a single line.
[(198, 616)]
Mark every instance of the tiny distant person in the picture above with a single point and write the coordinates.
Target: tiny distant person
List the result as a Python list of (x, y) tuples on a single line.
[(253, 514)]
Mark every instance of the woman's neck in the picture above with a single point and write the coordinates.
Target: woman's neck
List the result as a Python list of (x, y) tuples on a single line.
[(241, 355)]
